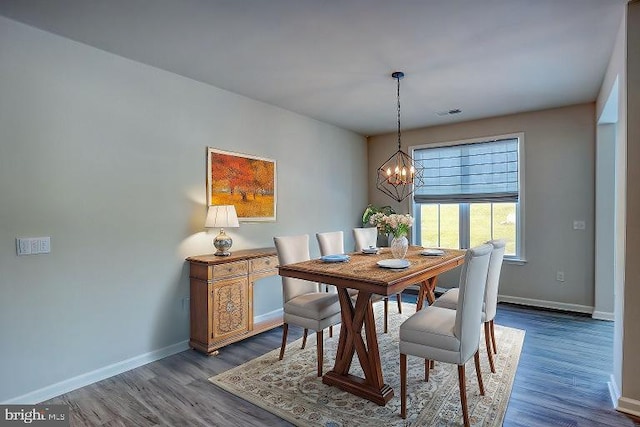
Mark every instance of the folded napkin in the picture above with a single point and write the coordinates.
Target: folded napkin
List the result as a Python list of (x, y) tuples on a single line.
[(432, 252), (370, 250), (335, 258)]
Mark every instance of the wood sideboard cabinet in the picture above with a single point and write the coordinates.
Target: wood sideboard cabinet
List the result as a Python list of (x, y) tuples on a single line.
[(221, 300)]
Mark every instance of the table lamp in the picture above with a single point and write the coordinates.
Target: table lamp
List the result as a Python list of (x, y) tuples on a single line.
[(223, 216)]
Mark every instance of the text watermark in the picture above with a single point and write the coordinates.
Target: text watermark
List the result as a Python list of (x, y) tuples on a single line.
[(34, 415)]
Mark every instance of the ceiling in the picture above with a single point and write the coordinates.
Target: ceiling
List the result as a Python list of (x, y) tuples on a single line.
[(332, 60)]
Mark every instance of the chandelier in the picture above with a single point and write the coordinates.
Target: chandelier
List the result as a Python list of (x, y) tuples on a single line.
[(397, 174)]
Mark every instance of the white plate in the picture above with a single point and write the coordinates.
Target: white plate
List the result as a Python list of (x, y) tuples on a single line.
[(394, 263), (370, 250), (432, 252)]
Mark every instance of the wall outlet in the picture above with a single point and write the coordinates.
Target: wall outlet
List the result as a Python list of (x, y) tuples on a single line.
[(560, 276), (579, 225)]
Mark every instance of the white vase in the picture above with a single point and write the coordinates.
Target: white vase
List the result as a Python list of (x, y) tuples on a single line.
[(399, 247)]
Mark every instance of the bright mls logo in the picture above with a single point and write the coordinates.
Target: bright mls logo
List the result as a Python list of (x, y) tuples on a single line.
[(37, 415)]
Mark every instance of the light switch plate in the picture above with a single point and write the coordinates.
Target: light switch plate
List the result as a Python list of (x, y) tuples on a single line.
[(33, 245)]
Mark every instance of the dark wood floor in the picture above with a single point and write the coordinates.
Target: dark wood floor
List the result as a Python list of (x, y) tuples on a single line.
[(563, 371), (561, 381)]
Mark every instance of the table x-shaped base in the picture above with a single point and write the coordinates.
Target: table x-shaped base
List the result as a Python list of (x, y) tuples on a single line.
[(372, 386)]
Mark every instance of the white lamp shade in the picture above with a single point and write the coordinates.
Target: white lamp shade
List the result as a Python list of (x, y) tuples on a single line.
[(223, 216)]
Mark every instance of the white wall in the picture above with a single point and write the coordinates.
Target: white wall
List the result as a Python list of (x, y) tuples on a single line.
[(559, 188), (605, 221), (615, 76), (107, 156), (630, 400)]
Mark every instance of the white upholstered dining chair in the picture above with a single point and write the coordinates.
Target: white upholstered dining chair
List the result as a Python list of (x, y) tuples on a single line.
[(450, 298), (366, 237), (304, 303), (449, 336), (332, 243)]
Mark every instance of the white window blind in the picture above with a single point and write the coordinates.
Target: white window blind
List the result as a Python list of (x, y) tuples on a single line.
[(477, 172)]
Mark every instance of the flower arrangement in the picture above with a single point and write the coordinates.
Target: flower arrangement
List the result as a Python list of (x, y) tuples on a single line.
[(396, 224), (371, 209)]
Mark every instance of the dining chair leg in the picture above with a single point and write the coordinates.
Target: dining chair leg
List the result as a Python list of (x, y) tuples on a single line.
[(476, 359), (493, 337), (463, 395), (285, 331), (487, 340), (386, 315), (304, 338), (319, 342), (403, 385), (399, 299), (427, 368)]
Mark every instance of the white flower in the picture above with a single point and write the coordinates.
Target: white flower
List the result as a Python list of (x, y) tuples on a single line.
[(395, 223)]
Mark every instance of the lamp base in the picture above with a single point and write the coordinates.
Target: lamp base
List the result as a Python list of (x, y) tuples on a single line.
[(222, 243)]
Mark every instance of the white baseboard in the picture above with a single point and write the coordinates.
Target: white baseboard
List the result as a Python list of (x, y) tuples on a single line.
[(629, 406), (87, 378), (614, 390), (268, 316), (603, 315), (546, 304)]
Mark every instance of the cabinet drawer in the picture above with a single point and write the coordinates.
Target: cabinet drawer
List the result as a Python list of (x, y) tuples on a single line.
[(265, 263), (231, 269)]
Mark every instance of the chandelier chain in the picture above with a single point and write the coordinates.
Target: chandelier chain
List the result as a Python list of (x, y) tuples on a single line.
[(397, 175), (399, 143)]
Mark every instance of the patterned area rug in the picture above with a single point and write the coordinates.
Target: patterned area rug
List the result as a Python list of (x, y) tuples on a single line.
[(291, 390)]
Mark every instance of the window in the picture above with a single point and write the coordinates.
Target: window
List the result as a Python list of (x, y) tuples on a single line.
[(470, 193)]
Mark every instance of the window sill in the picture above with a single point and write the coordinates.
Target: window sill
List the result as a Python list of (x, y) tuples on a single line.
[(515, 261)]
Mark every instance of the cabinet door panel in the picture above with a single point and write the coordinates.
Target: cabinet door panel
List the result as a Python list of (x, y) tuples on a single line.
[(230, 308)]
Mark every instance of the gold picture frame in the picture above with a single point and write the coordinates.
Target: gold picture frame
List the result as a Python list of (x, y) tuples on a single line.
[(244, 181)]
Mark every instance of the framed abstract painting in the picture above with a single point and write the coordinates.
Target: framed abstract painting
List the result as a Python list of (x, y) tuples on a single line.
[(245, 181)]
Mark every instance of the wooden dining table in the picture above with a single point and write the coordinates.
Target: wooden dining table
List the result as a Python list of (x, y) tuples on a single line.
[(362, 272)]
